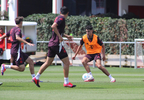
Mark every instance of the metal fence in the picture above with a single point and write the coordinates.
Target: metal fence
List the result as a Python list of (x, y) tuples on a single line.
[(117, 53)]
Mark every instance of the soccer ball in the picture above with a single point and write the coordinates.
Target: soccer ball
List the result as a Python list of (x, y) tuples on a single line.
[(85, 76)]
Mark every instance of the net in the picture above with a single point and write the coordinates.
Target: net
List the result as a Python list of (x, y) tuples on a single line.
[(71, 47), (139, 53)]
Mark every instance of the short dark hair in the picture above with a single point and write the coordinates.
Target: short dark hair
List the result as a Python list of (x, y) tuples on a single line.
[(89, 27), (64, 10), (1, 29), (18, 20)]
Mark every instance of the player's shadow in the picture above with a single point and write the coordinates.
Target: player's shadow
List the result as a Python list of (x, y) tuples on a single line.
[(12, 86), (90, 87)]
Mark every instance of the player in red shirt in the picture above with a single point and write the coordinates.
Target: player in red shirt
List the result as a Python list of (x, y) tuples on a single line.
[(2, 42), (55, 48), (16, 52)]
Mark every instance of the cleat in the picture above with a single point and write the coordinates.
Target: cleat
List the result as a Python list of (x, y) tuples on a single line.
[(39, 81), (69, 85), (36, 82), (89, 80), (3, 69), (113, 80)]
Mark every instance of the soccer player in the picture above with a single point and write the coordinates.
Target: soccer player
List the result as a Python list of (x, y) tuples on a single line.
[(16, 52), (2, 42), (94, 47), (55, 47)]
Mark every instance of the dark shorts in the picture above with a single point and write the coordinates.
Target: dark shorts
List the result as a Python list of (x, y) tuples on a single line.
[(21, 59), (93, 56), (55, 50)]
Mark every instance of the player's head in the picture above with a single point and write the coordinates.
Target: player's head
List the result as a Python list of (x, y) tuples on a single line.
[(19, 21), (64, 10), (89, 31), (1, 30)]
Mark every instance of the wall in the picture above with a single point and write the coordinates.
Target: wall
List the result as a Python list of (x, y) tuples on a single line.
[(123, 5)]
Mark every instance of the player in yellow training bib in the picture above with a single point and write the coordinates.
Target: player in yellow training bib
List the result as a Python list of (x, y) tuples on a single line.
[(94, 47)]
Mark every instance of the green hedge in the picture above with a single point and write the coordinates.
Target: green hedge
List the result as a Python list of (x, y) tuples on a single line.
[(106, 28)]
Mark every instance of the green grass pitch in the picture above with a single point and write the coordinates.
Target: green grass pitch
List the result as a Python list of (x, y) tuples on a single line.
[(18, 85)]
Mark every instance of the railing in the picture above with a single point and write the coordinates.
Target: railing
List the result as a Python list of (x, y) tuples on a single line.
[(120, 59)]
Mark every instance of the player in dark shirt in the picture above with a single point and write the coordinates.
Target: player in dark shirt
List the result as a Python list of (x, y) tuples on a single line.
[(55, 48), (94, 47), (16, 52)]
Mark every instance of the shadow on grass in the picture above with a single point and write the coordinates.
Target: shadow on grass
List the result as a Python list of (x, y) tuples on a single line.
[(90, 87), (11, 86)]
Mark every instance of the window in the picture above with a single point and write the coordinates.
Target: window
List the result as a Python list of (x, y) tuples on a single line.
[(100, 3), (98, 6)]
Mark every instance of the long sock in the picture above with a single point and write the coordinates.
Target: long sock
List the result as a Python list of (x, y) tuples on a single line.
[(8, 66), (110, 77), (66, 80), (90, 73), (37, 76), (33, 75)]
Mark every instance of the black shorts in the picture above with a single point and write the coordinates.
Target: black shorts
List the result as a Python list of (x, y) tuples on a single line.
[(93, 56), (55, 50), (23, 57)]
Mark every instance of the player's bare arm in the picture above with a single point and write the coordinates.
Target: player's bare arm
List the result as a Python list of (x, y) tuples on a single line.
[(54, 26), (79, 48), (103, 52), (68, 37), (22, 40)]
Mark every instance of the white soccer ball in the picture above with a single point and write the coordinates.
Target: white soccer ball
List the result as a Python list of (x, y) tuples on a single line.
[(86, 76)]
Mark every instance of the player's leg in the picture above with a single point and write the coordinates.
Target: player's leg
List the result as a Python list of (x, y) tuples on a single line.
[(31, 66), (66, 73), (4, 67), (64, 58), (66, 66), (104, 70), (20, 68), (48, 62), (50, 57), (85, 61), (11, 60), (42, 69), (19, 63)]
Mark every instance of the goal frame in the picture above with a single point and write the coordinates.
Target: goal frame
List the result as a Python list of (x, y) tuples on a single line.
[(136, 40)]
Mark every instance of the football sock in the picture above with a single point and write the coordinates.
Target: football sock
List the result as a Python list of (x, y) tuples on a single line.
[(33, 75), (66, 80), (90, 74), (110, 77), (8, 66), (37, 76)]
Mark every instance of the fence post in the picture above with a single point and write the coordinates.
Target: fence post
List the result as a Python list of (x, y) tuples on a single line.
[(120, 54)]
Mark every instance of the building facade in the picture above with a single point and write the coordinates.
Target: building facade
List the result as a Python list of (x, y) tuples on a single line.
[(76, 7)]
